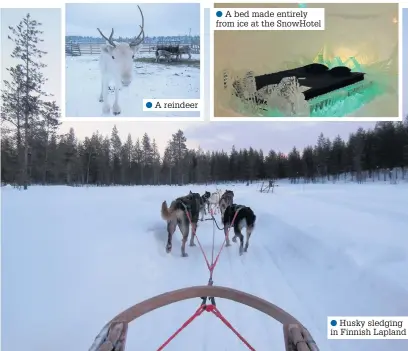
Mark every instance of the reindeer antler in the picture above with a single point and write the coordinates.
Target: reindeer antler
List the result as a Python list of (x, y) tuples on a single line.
[(137, 41), (109, 40)]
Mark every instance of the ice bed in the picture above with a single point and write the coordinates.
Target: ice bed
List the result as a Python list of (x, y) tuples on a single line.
[(309, 90)]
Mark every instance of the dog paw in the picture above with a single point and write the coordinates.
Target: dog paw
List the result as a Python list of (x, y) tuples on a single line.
[(192, 244), (241, 250), (184, 254), (234, 239), (228, 244)]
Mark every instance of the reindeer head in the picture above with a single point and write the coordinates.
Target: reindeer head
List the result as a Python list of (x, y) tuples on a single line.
[(122, 54)]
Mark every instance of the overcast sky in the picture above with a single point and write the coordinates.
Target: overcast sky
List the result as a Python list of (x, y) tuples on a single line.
[(405, 66), (51, 25), (160, 19)]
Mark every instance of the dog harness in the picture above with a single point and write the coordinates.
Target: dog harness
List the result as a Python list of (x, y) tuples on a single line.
[(237, 208), (187, 208)]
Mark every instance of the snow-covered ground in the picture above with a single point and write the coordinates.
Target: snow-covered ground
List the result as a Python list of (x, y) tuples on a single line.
[(177, 80), (73, 258)]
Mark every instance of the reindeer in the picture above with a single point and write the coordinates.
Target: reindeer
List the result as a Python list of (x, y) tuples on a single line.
[(163, 53), (184, 50), (116, 63)]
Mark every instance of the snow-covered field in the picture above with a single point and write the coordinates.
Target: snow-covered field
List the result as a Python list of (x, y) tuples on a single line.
[(151, 81), (73, 258)]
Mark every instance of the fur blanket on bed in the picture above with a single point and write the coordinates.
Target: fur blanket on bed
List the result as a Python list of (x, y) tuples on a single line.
[(287, 97)]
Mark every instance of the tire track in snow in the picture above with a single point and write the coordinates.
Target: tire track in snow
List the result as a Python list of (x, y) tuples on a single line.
[(244, 275), (258, 282), (255, 331), (172, 272), (287, 294), (224, 275)]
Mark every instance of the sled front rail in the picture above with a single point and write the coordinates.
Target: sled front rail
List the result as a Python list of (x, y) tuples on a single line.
[(297, 337)]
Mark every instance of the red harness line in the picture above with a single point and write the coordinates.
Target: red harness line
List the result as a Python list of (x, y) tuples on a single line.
[(211, 307), (214, 263)]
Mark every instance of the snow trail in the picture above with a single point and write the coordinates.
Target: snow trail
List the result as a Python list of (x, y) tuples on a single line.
[(73, 258)]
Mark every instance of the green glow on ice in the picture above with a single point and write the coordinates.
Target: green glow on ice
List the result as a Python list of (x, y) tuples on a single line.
[(357, 66), (338, 103), (338, 61)]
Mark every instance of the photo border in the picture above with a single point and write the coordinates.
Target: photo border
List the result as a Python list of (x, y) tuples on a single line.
[(307, 119), (201, 118)]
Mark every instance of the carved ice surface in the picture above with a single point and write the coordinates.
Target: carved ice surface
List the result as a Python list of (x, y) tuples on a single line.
[(287, 97)]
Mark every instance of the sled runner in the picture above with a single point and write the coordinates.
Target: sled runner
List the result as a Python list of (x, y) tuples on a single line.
[(113, 335)]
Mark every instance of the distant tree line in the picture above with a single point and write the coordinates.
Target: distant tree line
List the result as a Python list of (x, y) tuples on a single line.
[(108, 160), (194, 39)]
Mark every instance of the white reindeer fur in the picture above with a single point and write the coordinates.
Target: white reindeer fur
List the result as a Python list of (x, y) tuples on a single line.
[(116, 64)]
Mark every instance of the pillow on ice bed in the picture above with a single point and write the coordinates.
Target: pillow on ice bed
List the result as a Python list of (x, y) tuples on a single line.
[(340, 71), (316, 68)]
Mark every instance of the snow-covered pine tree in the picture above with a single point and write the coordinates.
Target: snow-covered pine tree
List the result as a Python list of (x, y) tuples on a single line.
[(12, 115), (30, 81)]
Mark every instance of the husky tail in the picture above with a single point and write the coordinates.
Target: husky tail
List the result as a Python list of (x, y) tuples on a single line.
[(166, 213)]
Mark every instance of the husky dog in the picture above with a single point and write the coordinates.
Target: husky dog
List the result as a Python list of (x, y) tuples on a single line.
[(244, 218), (204, 203), (202, 198), (214, 199), (205, 197), (226, 199), (163, 53), (179, 214)]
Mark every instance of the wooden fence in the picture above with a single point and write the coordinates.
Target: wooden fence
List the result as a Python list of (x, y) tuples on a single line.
[(79, 49)]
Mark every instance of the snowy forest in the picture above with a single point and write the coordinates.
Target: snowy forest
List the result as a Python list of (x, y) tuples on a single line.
[(108, 160), (33, 151)]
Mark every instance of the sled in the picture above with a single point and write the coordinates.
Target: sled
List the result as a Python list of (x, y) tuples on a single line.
[(113, 335), (269, 187)]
